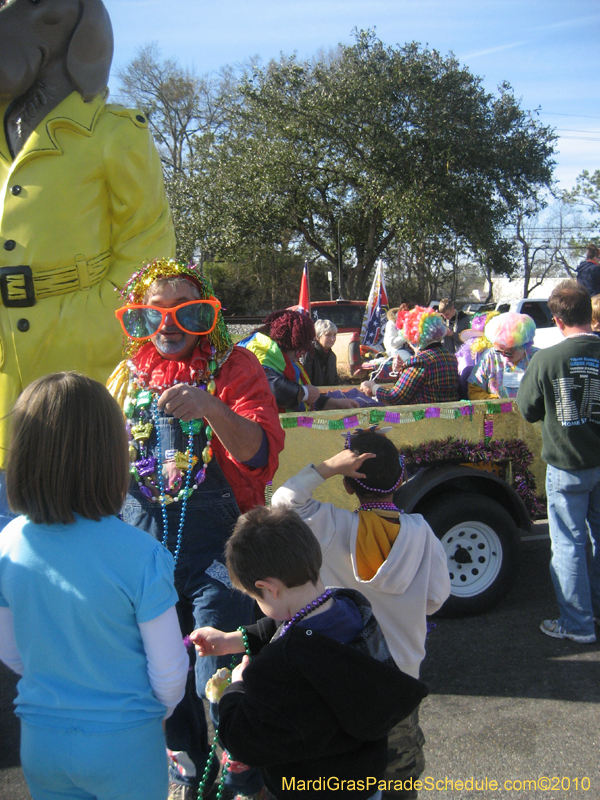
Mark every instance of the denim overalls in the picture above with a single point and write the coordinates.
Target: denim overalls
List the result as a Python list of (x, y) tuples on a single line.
[(206, 597)]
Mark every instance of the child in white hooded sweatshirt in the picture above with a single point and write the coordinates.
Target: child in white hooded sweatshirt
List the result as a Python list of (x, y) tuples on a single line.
[(393, 558)]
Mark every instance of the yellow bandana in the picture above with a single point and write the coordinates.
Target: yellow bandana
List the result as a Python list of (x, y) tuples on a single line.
[(377, 532)]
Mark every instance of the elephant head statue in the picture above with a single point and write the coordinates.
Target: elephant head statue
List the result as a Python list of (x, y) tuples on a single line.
[(48, 49)]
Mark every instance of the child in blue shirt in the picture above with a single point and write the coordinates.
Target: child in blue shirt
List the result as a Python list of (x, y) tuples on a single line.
[(87, 603)]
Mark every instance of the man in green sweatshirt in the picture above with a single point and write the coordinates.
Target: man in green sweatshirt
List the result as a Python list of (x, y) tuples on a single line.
[(562, 389)]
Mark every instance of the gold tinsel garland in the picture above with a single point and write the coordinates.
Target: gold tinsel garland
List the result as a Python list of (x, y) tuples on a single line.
[(140, 282)]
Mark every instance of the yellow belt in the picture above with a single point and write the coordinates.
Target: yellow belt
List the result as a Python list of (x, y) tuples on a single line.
[(83, 274)]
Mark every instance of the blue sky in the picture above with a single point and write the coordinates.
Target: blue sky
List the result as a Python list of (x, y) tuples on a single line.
[(548, 50)]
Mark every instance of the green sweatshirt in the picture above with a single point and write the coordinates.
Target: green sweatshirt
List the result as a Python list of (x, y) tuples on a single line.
[(562, 388)]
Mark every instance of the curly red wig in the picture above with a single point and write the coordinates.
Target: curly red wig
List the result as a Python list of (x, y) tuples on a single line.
[(291, 330)]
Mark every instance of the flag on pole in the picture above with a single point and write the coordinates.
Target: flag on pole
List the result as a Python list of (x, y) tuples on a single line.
[(375, 311), (304, 301)]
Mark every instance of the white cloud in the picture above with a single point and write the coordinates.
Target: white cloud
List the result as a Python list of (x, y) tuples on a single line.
[(489, 50)]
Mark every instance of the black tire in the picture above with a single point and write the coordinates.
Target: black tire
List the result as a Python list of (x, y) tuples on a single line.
[(482, 543)]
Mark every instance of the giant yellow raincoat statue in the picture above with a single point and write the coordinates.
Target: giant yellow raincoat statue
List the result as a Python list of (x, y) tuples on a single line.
[(82, 194)]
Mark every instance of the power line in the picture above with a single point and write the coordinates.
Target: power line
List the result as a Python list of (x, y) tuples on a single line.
[(561, 114), (583, 138), (575, 130)]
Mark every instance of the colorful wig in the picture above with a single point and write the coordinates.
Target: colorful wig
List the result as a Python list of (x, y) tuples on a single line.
[(510, 330), (136, 289), (291, 330), (422, 326), (401, 316), (474, 338)]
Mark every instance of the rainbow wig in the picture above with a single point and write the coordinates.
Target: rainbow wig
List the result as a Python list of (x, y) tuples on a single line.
[(137, 287), (510, 330), (422, 326)]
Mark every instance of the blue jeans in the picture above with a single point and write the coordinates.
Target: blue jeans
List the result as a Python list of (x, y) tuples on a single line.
[(574, 517)]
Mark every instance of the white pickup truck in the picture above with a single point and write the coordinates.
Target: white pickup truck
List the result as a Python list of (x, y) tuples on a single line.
[(546, 333)]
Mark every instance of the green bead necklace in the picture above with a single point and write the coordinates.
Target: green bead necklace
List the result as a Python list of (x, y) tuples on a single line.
[(215, 741)]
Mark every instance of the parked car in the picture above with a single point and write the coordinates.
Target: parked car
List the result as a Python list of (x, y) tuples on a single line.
[(478, 308), (546, 333), (347, 316)]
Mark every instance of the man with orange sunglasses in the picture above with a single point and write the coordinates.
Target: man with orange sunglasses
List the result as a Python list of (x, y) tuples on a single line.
[(204, 440)]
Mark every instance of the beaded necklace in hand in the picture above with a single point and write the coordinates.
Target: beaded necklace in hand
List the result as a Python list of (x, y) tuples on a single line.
[(141, 410), (304, 612), (215, 741)]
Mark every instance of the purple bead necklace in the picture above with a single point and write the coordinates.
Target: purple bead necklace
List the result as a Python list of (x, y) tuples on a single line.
[(381, 506), (322, 598)]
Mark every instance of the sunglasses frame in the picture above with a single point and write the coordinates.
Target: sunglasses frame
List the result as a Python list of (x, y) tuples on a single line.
[(211, 301)]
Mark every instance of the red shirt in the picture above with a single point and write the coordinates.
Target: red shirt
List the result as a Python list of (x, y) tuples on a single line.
[(242, 385)]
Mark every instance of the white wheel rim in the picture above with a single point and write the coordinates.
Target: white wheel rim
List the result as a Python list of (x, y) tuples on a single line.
[(474, 554)]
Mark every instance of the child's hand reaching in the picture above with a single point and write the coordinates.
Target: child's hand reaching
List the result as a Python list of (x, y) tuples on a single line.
[(212, 642), (345, 463)]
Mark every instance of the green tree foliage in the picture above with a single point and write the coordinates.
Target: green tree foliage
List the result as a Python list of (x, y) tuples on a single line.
[(382, 146), (587, 194)]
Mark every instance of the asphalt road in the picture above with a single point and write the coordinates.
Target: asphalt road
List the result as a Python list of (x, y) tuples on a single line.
[(507, 703)]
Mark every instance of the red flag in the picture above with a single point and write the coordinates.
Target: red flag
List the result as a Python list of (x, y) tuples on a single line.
[(304, 301)]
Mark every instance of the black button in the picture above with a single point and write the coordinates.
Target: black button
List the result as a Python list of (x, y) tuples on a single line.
[(10, 244), (140, 118), (16, 189), (23, 325)]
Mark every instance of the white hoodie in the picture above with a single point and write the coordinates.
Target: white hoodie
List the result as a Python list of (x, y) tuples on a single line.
[(411, 583), (393, 340)]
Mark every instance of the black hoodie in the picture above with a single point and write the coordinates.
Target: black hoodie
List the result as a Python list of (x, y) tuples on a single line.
[(312, 712), (588, 274)]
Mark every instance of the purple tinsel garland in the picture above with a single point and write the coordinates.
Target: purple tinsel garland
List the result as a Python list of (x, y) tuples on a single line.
[(462, 450)]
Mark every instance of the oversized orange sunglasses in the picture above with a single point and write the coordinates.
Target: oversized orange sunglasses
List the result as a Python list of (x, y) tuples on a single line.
[(197, 317)]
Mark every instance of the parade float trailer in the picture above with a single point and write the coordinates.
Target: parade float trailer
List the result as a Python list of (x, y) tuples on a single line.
[(472, 469)]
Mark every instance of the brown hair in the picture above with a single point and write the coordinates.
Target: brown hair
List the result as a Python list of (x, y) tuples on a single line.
[(269, 543), (68, 453), (571, 303), (445, 304), (592, 251)]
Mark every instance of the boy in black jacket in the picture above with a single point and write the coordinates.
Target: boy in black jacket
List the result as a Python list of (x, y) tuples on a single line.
[(314, 706)]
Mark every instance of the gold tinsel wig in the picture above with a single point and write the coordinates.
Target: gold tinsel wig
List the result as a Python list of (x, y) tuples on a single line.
[(137, 287)]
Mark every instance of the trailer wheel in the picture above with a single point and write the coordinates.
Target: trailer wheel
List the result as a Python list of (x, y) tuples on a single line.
[(481, 541)]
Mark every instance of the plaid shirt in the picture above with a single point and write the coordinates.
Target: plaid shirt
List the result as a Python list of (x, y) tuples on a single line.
[(430, 376)]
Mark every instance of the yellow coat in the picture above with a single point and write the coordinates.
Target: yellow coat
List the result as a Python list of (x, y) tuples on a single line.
[(83, 206)]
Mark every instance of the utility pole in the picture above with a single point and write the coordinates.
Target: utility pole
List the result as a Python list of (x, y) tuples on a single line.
[(339, 264)]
